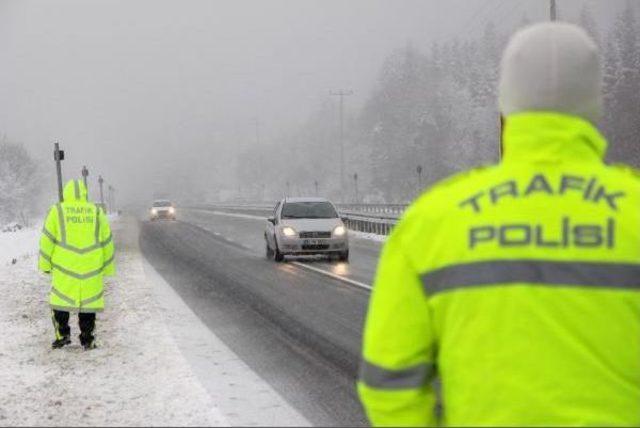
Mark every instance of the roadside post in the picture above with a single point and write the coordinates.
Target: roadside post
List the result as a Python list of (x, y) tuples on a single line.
[(85, 174), (58, 157), (100, 182), (355, 184)]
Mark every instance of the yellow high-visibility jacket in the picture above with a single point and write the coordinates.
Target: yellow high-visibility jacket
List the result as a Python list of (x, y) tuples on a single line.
[(76, 246), (518, 285)]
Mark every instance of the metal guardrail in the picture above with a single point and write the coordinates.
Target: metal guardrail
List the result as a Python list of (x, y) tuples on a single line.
[(378, 219), (392, 209)]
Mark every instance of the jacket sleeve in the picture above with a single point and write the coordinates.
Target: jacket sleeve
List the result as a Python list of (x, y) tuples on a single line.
[(48, 239), (399, 352), (108, 249)]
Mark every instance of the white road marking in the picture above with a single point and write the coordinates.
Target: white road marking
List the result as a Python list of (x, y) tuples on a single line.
[(333, 275)]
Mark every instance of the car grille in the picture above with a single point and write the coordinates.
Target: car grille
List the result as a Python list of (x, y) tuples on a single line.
[(315, 247), (308, 235)]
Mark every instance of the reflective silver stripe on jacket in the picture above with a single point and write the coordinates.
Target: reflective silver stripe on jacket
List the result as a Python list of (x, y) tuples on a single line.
[(380, 378), (45, 256), (543, 272), (75, 309), (76, 249), (82, 275), (49, 235), (63, 230), (97, 229), (76, 189), (92, 299), (63, 296)]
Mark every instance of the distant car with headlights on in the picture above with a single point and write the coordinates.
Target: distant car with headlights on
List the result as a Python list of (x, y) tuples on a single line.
[(163, 209), (304, 226)]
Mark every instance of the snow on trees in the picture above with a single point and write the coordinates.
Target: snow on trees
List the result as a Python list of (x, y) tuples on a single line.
[(19, 190)]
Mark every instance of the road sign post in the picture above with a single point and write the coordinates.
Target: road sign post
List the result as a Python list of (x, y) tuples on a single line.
[(58, 157), (100, 182), (355, 183), (85, 174)]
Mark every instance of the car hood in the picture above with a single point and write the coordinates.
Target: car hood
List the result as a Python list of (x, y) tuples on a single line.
[(312, 224)]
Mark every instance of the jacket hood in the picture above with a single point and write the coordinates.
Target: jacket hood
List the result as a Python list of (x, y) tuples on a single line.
[(551, 67), (75, 191)]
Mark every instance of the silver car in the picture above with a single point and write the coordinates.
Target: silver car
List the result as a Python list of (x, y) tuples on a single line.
[(301, 226), (162, 209)]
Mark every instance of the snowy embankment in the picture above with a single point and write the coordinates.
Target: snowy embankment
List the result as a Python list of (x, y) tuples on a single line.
[(137, 376)]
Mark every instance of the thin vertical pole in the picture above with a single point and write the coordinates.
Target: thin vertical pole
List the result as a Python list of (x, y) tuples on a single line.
[(57, 155)]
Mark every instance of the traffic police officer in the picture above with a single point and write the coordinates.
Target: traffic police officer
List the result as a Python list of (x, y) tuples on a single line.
[(518, 285), (76, 247)]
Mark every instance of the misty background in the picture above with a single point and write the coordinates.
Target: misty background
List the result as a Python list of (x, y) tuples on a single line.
[(232, 100)]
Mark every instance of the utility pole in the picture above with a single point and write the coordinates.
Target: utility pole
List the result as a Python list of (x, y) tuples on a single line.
[(342, 94), (110, 198), (553, 11), (315, 183), (355, 185), (419, 171), (58, 156), (113, 200), (85, 174), (100, 182)]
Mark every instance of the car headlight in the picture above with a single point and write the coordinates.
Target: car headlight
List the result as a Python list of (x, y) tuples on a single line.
[(154, 211), (289, 231), (340, 231), (172, 210)]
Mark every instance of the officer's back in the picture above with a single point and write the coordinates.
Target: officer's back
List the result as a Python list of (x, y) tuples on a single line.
[(517, 284)]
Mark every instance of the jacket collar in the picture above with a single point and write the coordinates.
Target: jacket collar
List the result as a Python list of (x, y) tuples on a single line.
[(551, 137)]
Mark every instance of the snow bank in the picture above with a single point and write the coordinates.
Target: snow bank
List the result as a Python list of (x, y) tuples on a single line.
[(367, 236), (136, 377)]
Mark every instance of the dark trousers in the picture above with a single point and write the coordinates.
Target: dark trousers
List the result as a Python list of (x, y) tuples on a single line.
[(86, 321)]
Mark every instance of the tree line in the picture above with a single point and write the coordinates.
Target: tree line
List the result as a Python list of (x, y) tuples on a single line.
[(432, 110)]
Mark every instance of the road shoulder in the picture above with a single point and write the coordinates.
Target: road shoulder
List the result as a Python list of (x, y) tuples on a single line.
[(137, 376)]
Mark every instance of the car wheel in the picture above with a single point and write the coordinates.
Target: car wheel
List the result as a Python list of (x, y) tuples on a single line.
[(344, 256), (269, 252)]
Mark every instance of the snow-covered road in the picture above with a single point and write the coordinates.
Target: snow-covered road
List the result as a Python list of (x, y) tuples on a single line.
[(139, 375)]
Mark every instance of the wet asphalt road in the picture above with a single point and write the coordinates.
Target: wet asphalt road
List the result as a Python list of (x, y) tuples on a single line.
[(299, 330)]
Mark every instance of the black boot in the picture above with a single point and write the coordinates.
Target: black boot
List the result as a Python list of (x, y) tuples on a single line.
[(59, 343), (88, 343)]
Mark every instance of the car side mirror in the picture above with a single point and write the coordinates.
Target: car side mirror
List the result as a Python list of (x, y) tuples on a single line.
[(272, 220), (344, 219)]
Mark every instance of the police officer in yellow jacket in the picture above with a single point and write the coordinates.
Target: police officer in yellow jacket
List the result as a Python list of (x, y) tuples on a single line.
[(76, 247), (517, 285)]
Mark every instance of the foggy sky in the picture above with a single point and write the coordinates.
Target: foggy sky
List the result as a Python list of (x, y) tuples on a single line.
[(137, 90)]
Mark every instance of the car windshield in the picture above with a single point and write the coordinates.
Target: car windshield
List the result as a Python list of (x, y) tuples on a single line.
[(162, 204), (308, 210)]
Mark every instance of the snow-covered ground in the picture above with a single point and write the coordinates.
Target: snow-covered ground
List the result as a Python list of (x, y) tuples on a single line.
[(139, 375)]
